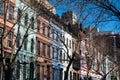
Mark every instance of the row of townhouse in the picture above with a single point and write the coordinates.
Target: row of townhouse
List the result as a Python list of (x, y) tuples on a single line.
[(105, 47), (38, 51), (41, 37)]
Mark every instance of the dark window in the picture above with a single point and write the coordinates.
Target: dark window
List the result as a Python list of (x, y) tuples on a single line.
[(43, 49), (57, 53), (43, 28), (64, 57), (24, 71), (57, 36), (1, 8), (26, 19), (38, 72), (73, 45), (19, 14), (32, 22), (56, 74), (48, 73), (53, 51), (11, 10), (53, 73), (48, 51), (31, 70), (18, 70), (32, 45), (38, 25), (48, 32), (61, 74), (71, 75), (53, 32), (38, 47), (61, 56), (43, 73), (25, 44), (70, 43), (10, 39), (18, 40)]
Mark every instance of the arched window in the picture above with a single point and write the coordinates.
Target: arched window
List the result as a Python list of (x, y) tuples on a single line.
[(60, 55), (26, 19), (19, 14), (1, 8), (18, 70), (43, 29), (32, 45), (25, 44), (18, 40), (32, 23)]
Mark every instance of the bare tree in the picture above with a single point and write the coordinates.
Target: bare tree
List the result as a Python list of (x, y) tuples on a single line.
[(8, 63)]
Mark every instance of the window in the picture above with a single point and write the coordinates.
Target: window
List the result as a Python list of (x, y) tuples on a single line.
[(57, 76), (18, 70), (61, 74), (38, 72), (53, 32), (64, 57), (1, 8), (38, 47), (10, 39), (48, 32), (57, 36), (61, 56), (18, 40), (43, 28), (32, 23), (25, 44), (48, 51), (53, 50), (43, 49), (73, 45), (57, 54), (11, 9), (38, 25), (24, 71), (42, 72), (26, 19), (19, 14), (48, 72), (53, 73), (32, 45), (67, 41), (70, 43), (64, 38), (71, 75)]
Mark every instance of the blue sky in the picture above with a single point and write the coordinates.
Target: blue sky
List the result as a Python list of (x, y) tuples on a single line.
[(106, 26)]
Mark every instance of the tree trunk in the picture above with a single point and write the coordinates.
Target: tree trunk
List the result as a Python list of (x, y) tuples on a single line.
[(68, 67), (7, 74)]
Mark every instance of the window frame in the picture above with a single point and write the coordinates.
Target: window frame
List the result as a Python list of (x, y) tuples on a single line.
[(1, 8), (10, 36), (32, 45), (26, 19), (25, 44), (43, 29), (11, 12)]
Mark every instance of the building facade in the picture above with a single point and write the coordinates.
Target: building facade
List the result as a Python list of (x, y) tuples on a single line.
[(6, 33), (43, 57), (56, 50), (25, 38)]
